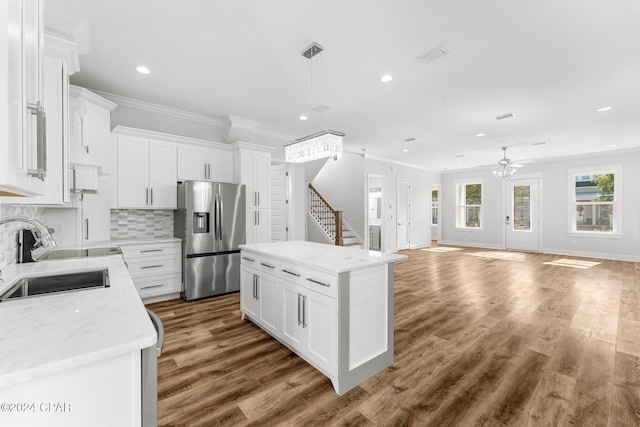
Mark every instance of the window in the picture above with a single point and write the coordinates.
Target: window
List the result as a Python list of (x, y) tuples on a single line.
[(469, 205), (434, 207), (595, 200)]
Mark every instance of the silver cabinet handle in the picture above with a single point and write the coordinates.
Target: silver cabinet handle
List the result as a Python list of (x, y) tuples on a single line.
[(40, 171), (248, 259), (147, 202), (152, 266), (318, 282), (86, 230), (153, 286), (293, 273), (267, 265), (258, 193), (205, 171), (151, 250), (258, 215), (304, 312), (257, 287), (299, 298), (152, 196)]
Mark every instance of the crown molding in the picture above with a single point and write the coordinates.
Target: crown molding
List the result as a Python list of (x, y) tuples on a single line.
[(167, 137), (86, 94), (274, 135), (240, 145), (68, 25), (58, 47), (161, 109)]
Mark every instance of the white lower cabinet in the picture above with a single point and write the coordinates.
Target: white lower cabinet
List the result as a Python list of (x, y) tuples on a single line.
[(259, 298), (155, 268), (309, 325)]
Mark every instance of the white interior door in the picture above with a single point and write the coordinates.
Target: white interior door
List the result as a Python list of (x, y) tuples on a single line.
[(403, 213), (279, 191), (522, 217)]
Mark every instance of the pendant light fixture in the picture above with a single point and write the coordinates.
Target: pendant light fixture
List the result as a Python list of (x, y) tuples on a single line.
[(326, 143)]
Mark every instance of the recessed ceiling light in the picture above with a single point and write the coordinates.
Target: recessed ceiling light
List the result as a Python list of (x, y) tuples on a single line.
[(480, 134), (600, 110), (613, 145), (386, 78), (302, 117), (142, 69), (405, 150)]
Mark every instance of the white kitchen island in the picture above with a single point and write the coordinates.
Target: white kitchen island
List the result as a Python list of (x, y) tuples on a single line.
[(331, 305)]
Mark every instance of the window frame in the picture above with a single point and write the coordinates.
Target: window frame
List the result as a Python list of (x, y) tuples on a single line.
[(582, 172), (435, 205), (460, 224)]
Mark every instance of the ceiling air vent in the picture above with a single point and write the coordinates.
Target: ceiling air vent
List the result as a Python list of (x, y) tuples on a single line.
[(321, 108), (539, 143), (432, 55), (505, 116), (409, 139)]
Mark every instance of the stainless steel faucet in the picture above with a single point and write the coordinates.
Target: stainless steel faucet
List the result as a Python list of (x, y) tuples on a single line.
[(44, 240)]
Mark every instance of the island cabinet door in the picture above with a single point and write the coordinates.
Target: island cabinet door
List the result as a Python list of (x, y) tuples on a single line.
[(319, 322), (248, 293), (269, 303), (291, 299)]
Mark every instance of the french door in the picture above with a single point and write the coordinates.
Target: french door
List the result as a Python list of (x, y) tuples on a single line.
[(522, 217)]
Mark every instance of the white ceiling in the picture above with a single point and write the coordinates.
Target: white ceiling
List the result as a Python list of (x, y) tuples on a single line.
[(552, 63)]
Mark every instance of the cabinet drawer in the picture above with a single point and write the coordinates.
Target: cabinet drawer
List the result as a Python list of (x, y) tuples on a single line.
[(150, 250), (319, 281), (158, 285), (157, 265), (260, 263)]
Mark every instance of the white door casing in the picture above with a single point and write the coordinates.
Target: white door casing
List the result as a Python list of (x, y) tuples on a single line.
[(522, 217), (403, 214)]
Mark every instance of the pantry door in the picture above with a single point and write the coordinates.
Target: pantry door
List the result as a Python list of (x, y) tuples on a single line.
[(522, 217)]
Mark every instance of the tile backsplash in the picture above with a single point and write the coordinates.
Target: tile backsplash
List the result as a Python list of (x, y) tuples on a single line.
[(9, 232), (141, 224)]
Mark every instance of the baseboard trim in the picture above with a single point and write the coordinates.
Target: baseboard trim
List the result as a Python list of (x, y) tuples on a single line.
[(469, 244), (599, 255)]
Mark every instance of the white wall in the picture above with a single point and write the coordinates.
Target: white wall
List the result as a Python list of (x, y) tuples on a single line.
[(342, 184), (297, 202), (555, 208), (420, 214)]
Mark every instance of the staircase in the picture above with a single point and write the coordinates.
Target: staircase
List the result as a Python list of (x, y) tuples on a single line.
[(326, 217)]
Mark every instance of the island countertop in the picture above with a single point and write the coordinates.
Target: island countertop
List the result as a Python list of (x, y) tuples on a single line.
[(46, 334), (329, 258)]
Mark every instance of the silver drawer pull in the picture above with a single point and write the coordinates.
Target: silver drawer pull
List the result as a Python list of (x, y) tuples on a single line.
[(267, 265), (152, 266), (152, 250), (293, 273), (318, 282), (248, 259), (154, 286)]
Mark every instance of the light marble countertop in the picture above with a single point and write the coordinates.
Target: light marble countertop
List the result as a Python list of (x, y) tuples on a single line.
[(329, 258), (118, 242), (45, 334)]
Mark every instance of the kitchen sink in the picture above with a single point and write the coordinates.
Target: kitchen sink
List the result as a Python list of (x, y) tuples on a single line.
[(70, 282)]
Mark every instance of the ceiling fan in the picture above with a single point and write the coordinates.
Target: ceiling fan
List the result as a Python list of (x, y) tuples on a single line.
[(505, 168)]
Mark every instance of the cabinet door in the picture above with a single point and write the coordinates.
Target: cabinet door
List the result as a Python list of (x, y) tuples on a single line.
[(133, 172), (162, 175), (269, 304), (261, 179), (246, 178), (221, 166), (192, 163), (248, 302), (319, 322), (262, 230), (291, 309), (96, 221), (96, 126)]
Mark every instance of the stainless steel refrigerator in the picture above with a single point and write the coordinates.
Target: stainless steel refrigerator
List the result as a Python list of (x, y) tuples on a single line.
[(210, 220)]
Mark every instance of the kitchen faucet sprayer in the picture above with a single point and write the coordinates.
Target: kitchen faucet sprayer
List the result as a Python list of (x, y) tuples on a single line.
[(44, 240)]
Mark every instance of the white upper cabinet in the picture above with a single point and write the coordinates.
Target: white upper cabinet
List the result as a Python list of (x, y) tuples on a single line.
[(146, 173), (197, 162), (253, 171), (22, 117)]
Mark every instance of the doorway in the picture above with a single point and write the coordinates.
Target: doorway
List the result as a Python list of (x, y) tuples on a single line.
[(435, 212), (403, 214), (375, 211), (522, 219)]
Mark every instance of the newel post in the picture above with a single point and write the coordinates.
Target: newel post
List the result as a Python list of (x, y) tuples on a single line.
[(339, 241)]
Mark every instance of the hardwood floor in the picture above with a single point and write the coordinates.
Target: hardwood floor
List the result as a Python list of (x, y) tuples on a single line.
[(482, 338)]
